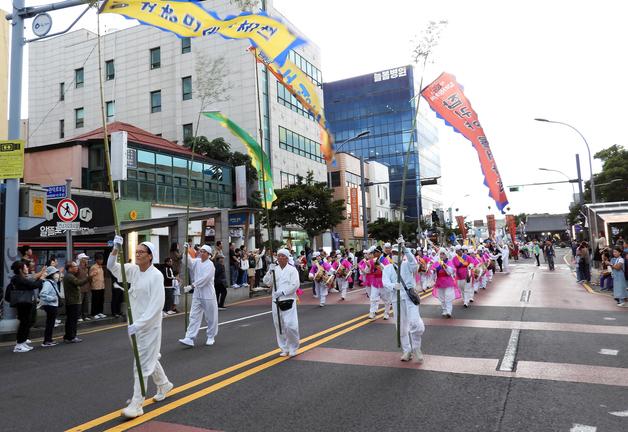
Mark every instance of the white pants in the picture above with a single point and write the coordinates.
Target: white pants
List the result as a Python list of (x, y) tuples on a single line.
[(484, 280), (343, 284), (321, 291), (446, 297), (467, 290), (200, 308), (412, 327), (375, 295), (159, 378), (476, 284), (288, 340)]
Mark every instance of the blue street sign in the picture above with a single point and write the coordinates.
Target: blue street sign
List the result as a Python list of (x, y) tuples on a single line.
[(57, 191), (578, 228)]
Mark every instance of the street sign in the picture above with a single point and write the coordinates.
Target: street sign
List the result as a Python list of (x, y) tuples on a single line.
[(57, 191), (67, 210), (11, 159)]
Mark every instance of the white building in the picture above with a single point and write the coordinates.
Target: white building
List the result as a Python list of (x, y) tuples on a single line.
[(379, 192), (149, 81)]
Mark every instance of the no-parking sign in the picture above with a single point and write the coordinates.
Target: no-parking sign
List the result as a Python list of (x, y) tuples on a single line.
[(67, 210)]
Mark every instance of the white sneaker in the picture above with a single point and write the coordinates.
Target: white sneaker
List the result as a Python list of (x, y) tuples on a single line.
[(235, 286), (28, 341), (620, 304), (406, 356), (392, 312), (283, 354), (170, 312), (386, 316), (133, 410), (21, 348), (210, 342), (418, 355), (80, 320), (102, 316), (162, 391), (187, 342), (57, 321), (371, 316), (292, 354)]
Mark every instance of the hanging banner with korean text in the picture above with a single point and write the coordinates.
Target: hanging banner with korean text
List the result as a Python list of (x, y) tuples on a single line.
[(446, 97), (304, 90), (490, 222), (462, 227), (355, 209), (259, 159), (512, 227), (188, 18)]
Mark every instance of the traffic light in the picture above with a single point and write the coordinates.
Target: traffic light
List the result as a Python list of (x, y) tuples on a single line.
[(514, 189)]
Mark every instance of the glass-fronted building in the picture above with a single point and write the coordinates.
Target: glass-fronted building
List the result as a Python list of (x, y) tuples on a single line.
[(383, 103)]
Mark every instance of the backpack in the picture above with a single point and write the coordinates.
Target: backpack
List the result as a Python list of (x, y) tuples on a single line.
[(7, 292)]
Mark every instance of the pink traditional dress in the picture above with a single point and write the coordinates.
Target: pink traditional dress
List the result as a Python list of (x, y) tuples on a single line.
[(320, 286), (445, 288), (343, 282)]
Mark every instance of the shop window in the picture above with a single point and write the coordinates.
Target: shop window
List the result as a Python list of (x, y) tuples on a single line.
[(147, 192), (145, 160)]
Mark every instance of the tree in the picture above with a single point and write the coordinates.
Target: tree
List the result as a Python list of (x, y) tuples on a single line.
[(388, 231), (614, 167), (245, 5), (308, 204), (217, 149)]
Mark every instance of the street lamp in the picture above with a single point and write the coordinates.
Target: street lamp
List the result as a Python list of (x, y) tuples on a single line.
[(593, 200), (360, 135), (450, 207), (573, 191)]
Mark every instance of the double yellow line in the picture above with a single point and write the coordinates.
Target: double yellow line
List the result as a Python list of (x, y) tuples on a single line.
[(353, 324)]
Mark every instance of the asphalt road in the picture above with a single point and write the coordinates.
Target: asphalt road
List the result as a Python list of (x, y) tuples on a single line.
[(570, 369)]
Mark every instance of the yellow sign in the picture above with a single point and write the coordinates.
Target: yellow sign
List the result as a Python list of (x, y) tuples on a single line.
[(133, 215), (11, 159), (38, 206)]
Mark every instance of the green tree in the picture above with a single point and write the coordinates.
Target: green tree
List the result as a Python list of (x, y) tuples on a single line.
[(388, 231), (308, 204), (217, 149), (614, 167)]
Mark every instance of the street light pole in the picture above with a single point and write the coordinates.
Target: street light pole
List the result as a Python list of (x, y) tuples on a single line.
[(573, 190)]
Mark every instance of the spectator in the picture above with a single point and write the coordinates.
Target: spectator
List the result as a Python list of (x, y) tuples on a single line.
[(536, 250), (259, 267), (244, 268), (72, 283), (49, 298), (606, 273), (234, 266), (83, 272), (600, 246), (219, 252), (117, 297), (176, 258), (251, 270), (169, 278), (619, 277), (97, 285), (584, 262), (220, 282), (549, 252), (22, 298)]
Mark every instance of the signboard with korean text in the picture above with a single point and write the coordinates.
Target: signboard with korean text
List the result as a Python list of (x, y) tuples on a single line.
[(56, 191), (240, 186), (389, 74), (11, 159), (355, 209)]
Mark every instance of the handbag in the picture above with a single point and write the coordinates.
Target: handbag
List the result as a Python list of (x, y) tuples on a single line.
[(284, 305), (412, 295), (20, 296)]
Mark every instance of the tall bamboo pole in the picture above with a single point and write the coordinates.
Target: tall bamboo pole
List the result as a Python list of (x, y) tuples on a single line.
[(116, 222)]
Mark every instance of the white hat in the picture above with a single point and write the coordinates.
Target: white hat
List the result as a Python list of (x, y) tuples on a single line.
[(387, 245), (371, 249), (442, 251), (82, 256), (150, 246), (471, 250), (314, 254), (458, 247), (207, 248), (286, 252), (338, 251)]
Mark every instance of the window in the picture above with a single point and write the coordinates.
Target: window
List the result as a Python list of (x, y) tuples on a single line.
[(79, 117), (186, 87), (335, 178), (299, 144), (308, 68), (186, 45), (78, 78), (62, 91), (110, 109), (110, 71), (155, 58), (188, 131), (287, 179), (155, 101), (285, 98), (145, 160), (164, 164), (61, 128)]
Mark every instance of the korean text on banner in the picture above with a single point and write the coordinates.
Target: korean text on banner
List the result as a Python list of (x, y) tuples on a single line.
[(512, 227), (445, 96), (490, 222), (462, 227), (240, 186), (258, 158), (355, 209), (11, 159), (189, 19)]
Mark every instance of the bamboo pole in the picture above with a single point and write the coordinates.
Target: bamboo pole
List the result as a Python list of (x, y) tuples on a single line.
[(116, 222)]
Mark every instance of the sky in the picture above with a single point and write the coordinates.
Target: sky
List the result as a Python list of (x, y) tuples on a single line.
[(559, 60)]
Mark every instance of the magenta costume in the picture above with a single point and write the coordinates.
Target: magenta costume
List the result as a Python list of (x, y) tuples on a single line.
[(461, 266), (444, 279)]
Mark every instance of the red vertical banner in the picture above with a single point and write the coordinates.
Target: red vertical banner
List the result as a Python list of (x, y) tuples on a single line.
[(512, 227), (462, 227), (446, 97), (355, 209), (490, 222)]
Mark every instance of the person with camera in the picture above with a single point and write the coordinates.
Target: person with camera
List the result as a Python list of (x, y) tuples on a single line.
[(22, 291)]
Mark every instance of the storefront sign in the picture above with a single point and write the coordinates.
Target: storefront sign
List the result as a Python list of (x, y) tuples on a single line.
[(240, 186), (239, 219), (11, 159), (58, 191)]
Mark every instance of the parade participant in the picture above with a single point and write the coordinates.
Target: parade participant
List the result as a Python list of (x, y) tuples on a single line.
[(319, 273), (445, 288), (411, 326), (374, 268), (203, 299), (146, 297), (461, 264), (387, 250), (284, 280), (342, 268), (505, 257), (536, 250), (361, 271), (476, 273)]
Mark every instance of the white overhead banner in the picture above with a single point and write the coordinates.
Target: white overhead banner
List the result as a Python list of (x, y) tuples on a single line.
[(240, 177), (118, 155)]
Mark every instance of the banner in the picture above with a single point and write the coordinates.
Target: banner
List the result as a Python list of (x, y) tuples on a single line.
[(355, 208), (258, 158), (11, 159), (187, 18), (304, 90), (461, 227), (490, 222), (512, 227), (446, 98), (240, 185)]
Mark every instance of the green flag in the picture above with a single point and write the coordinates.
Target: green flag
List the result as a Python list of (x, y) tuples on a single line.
[(258, 158)]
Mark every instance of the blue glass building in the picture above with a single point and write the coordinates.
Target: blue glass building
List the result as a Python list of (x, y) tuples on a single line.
[(383, 104)]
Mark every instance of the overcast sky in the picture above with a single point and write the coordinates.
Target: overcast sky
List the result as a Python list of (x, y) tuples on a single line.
[(560, 60)]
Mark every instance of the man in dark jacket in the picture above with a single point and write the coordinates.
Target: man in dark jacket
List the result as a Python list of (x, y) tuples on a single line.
[(220, 282), (72, 289), (22, 298)]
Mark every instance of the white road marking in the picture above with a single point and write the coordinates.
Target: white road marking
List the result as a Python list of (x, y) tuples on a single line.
[(619, 413), (605, 351), (582, 428), (240, 319), (508, 362), (609, 319)]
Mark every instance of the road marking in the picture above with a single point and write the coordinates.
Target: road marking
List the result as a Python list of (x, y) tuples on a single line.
[(582, 428), (240, 319), (113, 415), (609, 319), (619, 413), (610, 352), (508, 362)]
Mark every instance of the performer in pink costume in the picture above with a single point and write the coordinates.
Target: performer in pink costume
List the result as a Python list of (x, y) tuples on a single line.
[(445, 288)]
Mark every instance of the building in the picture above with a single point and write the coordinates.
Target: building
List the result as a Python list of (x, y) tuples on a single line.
[(542, 226), (383, 103), (4, 74), (344, 179), (150, 81)]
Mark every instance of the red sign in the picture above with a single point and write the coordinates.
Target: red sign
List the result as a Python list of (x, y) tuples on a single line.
[(446, 97), (512, 227), (355, 209), (462, 227), (67, 210), (490, 222)]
